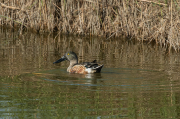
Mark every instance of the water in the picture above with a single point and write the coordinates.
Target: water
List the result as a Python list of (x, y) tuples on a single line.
[(138, 80)]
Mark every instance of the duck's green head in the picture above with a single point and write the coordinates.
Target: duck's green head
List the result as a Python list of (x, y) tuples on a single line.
[(70, 56)]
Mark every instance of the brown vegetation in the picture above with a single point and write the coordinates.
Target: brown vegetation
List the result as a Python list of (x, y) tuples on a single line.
[(144, 20)]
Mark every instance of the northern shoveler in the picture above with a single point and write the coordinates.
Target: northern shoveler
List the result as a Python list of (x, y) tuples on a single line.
[(82, 68)]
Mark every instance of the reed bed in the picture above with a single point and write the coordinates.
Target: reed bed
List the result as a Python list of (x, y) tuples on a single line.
[(144, 20)]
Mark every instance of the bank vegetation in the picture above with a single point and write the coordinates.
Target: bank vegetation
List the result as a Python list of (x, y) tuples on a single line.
[(144, 20)]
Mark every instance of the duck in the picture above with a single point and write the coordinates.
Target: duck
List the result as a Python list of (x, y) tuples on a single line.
[(80, 68)]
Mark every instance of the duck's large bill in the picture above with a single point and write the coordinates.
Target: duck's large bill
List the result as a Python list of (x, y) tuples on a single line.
[(63, 58)]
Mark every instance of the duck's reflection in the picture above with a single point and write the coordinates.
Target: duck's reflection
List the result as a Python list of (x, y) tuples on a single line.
[(88, 76)]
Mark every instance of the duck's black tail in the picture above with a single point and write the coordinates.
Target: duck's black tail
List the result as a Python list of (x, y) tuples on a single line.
[(98, 68)]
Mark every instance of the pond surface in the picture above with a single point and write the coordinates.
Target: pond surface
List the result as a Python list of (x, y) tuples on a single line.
[(138, 80)]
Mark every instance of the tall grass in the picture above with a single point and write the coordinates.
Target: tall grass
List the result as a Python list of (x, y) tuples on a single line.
[(144, 20)]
